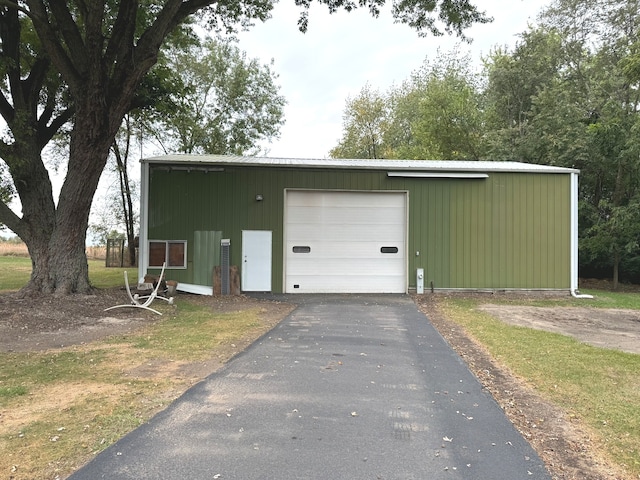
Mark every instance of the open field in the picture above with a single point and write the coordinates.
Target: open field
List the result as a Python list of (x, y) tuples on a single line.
[(13, 249)]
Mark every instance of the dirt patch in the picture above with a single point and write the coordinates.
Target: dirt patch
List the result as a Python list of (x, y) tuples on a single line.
[(605, 328), (565, 446), (46, 322)]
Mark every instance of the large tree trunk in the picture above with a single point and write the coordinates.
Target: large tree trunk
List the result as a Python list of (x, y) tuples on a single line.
[(56, 236), (33, 185), (56, 241)]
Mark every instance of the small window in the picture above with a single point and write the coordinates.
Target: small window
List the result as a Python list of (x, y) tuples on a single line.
[(171, 252), (388, 249), (301, 249)]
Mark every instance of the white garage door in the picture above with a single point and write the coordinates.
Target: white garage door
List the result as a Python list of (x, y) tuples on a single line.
[(345, 242)]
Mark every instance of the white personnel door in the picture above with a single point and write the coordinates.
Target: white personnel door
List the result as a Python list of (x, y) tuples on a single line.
[(256, 261), (345, 242)]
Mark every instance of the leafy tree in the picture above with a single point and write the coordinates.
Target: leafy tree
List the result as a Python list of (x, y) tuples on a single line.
[(400, 137), (84, 61), (613, 234), (436, 114), (597, 48), (450, 119), (227, 103), (6, 187), (513, 80), (365, 122)]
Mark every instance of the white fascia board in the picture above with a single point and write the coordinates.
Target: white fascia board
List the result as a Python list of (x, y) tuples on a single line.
[(437, 175), (357, 164)]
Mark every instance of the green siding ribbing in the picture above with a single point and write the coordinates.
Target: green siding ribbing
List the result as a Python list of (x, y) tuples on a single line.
[(511, 230)]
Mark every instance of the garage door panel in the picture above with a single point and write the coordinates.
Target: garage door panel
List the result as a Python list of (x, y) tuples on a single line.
[(345, 267), (344, 214), (345, 250), (351, 284), (340, 199), (350, 233), (339, 239)]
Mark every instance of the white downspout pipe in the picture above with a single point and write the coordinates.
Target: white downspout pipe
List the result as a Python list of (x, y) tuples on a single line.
[(574, 238)]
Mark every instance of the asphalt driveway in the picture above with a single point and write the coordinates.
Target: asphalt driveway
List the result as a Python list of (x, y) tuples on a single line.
[(346, 387)]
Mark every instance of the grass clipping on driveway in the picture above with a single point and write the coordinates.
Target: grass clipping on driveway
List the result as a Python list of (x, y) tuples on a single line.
[(59, 408), (599, 387)]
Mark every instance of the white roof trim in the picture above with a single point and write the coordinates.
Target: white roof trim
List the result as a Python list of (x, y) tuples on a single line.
[(437, 175), (358, 164)]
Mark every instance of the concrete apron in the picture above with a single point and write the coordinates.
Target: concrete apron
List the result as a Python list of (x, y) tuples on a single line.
[(346, 387)]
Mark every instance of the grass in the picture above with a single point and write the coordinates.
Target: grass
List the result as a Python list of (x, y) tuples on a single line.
[(15, 273), (60, 408), (19, 249), (601, 299), (192, 335), (601, 387)]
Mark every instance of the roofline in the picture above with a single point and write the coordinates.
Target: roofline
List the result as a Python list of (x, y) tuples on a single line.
[(196, 161)]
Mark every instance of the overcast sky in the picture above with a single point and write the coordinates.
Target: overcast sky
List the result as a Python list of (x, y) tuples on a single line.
[(340, 53)]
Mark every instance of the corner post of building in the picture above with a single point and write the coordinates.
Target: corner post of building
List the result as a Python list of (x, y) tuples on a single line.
[(574, 232), (143, 259)]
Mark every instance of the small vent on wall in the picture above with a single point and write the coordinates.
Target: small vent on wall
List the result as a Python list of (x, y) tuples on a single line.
[(225, 247)]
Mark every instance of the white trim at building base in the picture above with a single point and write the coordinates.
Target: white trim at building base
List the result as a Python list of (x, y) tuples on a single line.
[(197, 289)]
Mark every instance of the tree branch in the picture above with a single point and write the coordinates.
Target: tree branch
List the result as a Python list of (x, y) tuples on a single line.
[(6, 109), (11, 220), (14, 5), (121, 40), (53, 46), (46, 131), (71, 35)]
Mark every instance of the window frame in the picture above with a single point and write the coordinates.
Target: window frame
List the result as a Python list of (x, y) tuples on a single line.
[(167, 244)]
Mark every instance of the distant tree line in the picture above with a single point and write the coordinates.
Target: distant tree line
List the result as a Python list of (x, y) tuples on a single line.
[(567, 94)]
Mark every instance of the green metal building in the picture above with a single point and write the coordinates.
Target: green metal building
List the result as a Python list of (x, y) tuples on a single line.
[(359, 226)]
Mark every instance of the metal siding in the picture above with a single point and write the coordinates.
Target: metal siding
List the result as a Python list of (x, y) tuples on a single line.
[(511, 230), (206, 255)]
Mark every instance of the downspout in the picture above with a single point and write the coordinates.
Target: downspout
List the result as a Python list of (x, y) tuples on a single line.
[(574, 238), (143, 247)]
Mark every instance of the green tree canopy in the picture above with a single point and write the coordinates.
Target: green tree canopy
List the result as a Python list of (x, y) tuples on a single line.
[(436, 114), (365, 122), (227, 103)]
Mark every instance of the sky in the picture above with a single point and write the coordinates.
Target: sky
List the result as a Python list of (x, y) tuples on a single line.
[(340, 53)]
